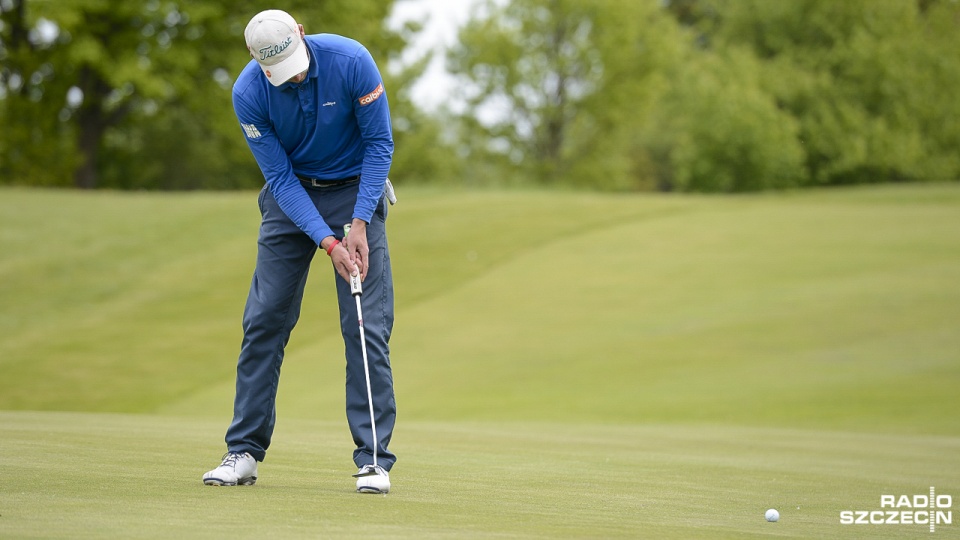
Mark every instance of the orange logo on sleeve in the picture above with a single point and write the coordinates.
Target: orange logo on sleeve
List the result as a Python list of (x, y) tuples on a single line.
[(372, 96)]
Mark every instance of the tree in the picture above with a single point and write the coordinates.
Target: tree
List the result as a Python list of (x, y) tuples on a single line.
[(554, 86), (864, 78), (711, 95), (149, 86), (717, 130), (33, 143), (615, 95), (115, 60)]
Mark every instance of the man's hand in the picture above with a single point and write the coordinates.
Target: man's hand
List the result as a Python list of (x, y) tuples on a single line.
[(357, 247), (340, 257)]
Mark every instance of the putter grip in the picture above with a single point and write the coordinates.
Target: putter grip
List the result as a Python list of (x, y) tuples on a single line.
[(355, 288)]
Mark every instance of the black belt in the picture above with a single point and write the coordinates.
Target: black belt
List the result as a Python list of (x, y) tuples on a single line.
[(317, 183)]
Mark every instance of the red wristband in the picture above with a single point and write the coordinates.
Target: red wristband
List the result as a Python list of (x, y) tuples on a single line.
[(333, 244)]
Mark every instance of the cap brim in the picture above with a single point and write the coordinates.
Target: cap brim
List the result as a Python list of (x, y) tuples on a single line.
[(281, 72)]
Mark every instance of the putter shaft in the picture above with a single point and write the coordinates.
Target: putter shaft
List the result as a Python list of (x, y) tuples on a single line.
[(357, 291)]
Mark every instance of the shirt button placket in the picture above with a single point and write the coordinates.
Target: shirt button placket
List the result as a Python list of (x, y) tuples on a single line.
[(307, 103)]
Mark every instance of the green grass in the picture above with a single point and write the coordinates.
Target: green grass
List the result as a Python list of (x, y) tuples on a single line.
[(134, 476), (567, 365)]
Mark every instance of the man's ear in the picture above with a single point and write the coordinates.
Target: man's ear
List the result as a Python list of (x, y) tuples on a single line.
[(302, 33)]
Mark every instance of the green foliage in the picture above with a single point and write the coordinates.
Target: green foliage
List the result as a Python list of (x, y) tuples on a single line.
[(34, 146), (623, 95), (155, 80), (613, 95), (712, 95), (634, 61), (864, 78), (549, 86), (717, 131)]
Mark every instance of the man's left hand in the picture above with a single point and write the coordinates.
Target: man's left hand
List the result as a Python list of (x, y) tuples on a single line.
[(357, 247)]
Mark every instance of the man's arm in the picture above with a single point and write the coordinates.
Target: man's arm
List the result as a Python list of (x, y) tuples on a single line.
[(373, 118), (278, 171)]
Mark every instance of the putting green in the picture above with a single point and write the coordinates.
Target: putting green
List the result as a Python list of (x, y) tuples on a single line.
[(72, 475), (567, 365)]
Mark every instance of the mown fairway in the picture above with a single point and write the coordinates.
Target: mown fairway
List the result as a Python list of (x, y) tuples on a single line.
[(567, 365)]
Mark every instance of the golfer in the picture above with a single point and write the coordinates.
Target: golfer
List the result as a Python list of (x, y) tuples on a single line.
[(315, 115)]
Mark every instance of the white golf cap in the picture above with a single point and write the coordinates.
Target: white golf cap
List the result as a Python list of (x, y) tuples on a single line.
[(273, 39)]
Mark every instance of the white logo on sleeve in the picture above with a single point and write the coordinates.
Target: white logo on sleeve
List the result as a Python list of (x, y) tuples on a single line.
[(252, 131)]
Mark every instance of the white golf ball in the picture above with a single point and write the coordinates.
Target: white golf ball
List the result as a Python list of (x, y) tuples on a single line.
[(772, 515)]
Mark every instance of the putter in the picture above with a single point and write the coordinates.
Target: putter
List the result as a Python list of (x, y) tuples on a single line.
[(356, 289)]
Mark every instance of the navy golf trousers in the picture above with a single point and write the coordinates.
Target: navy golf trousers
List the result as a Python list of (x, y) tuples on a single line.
[(273, 306)]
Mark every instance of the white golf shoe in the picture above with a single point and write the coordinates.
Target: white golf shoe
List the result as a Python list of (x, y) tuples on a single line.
[(236, 469), (372, 479)]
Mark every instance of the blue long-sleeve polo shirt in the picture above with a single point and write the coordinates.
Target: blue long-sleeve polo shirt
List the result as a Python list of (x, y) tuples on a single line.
[(333, 125)]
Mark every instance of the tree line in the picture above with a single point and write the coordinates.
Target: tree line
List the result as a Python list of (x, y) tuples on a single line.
[(620, 95)]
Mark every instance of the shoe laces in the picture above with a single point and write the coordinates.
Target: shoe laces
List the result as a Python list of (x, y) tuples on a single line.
[(230, 459)]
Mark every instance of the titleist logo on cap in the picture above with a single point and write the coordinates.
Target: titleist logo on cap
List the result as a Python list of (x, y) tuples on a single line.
[(274, 50)]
